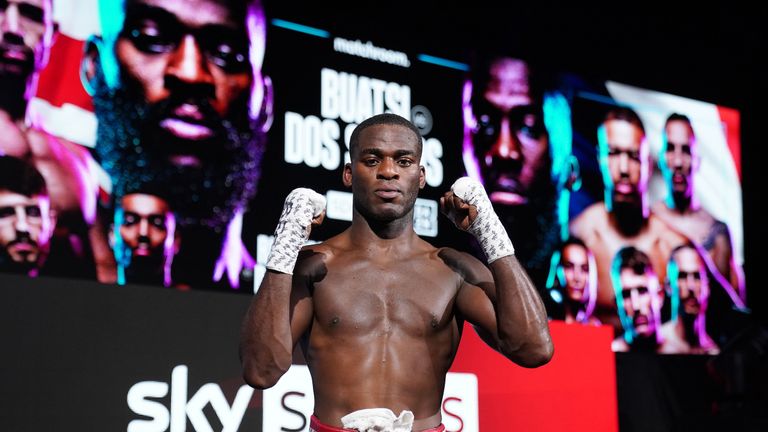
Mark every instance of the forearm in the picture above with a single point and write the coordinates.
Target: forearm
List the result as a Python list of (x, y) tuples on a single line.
[(267, 335), (523, 329), (266, 344)]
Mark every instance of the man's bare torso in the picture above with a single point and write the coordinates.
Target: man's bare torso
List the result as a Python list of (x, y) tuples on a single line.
[(595, 227), (384, 331)]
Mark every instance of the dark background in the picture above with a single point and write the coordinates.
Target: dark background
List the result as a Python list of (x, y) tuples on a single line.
[(716, 58)]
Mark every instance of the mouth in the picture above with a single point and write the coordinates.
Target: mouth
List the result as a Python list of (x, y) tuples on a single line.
[(507, 198), (640, 322), (187, 122), (23, 247), (624, 188), (507, 191), (387, 194), (691, 303), (142, 251)]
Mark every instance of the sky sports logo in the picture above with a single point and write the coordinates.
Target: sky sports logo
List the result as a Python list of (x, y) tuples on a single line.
[(370, 51), (289, 404)]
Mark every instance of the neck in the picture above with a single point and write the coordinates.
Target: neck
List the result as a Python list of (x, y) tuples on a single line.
[(685, 203), (628, 218), (572, 308), (693, 326), (13, 100), (372, 231)]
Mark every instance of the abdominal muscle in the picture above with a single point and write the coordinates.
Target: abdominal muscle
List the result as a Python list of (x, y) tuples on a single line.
[(383, 369)]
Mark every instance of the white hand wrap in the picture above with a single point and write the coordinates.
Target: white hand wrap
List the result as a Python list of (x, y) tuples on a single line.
[(301, 206), (487, 228)]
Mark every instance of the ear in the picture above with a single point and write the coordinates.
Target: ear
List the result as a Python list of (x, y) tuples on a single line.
[(422, 177), (112, 236), (265, 112), (88, 63), (346, 175), (176, 242), (53, 217)]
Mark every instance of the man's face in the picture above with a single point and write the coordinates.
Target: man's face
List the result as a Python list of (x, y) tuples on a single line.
[(190, 56), (679, 156), (690, 277), (510, 142), (180, 113), (147, 223), (22, 30), (25, 228), (575, 264), (625, 163), (638, 302), (384, 172)]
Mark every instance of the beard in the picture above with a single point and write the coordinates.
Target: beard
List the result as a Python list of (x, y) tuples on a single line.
[(147, 270), (9, 265), (629, 216), (17, 64), (135, 151), (12, 89), (533, 227)]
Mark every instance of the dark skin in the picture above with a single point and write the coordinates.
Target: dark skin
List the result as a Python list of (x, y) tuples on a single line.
[(379, 311)]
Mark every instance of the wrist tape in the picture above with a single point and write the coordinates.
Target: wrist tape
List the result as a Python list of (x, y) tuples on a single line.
[(487, 228), (301, 206)]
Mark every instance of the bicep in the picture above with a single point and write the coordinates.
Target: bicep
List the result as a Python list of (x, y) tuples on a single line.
[(308, 266), (301, 311), (475, 300)]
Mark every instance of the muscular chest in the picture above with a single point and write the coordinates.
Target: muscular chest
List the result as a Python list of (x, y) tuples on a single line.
[(369, 298)]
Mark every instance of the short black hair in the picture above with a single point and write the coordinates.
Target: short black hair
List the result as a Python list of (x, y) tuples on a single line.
[(21, 177), (480, 75), (634, 259), (626, 114), (383, 119), (677, 116)]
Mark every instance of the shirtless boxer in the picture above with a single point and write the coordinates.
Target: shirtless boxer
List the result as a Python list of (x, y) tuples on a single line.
[(378, 311)]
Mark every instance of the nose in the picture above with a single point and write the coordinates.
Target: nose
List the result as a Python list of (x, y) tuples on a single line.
[(388, 170), (143, 227), (9, 20), (677, 158), (21, 224), (579, 274), (507, 145), (623, 163), (635, 300), (188, 64)]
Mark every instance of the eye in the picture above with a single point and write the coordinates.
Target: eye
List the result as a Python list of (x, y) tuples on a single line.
[(33, 211), (225, 47), (6, 212), (157, 221), (370, 162), (228, 58), (31, 12), (404, 162), (130, 219), (147, 36)]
